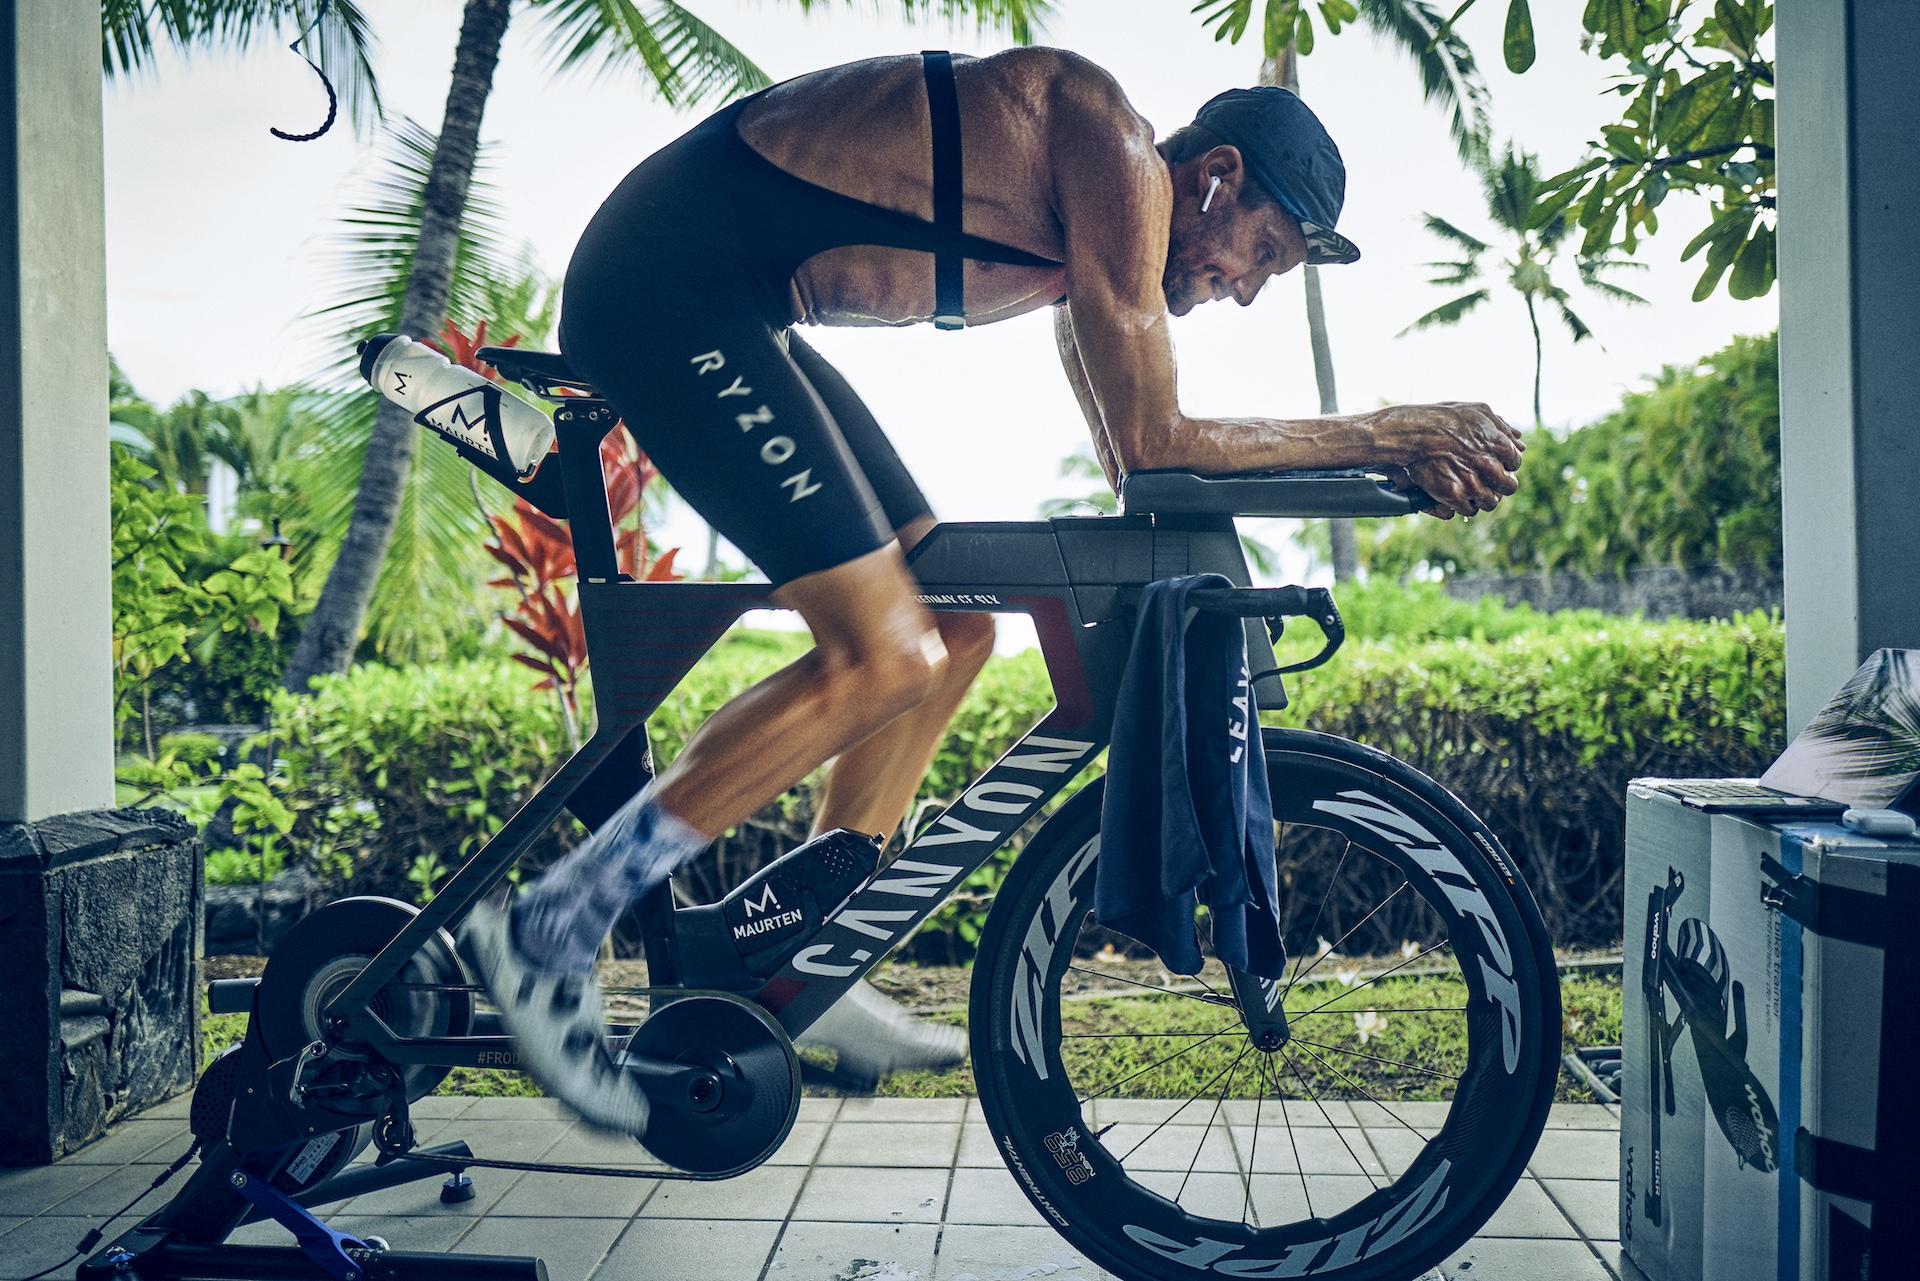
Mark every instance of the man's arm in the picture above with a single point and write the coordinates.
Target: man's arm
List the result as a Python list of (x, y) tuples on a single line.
[(1083, 392), (1114, 199)]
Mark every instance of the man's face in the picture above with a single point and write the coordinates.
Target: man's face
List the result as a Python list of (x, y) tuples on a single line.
[(1233, 247)]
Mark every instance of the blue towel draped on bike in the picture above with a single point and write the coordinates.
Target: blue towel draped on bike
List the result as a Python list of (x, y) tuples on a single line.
[(1187, 817)]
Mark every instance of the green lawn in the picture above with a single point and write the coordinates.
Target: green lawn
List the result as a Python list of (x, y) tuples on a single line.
[(1154, 1046)]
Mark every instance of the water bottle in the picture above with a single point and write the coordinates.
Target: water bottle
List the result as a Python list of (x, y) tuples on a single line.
[(458, 403)]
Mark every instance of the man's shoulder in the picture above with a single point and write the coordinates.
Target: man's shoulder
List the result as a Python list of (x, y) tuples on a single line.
[(1073, 92)]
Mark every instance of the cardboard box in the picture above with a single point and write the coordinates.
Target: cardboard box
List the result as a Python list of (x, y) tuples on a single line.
[(1772, 1014)]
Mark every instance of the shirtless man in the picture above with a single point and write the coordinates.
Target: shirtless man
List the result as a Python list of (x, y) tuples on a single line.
[(821, 201)]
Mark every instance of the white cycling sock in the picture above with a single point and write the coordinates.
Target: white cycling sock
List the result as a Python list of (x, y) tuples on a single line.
[(559, 921)]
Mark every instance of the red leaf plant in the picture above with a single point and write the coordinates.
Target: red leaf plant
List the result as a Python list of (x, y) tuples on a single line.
[(537, 551)]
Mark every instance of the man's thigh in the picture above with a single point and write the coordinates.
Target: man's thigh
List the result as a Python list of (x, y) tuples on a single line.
[(741, 434), (900, 498)]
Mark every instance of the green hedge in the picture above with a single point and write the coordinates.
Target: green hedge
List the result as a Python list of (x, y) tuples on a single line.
[(1537, 721), (1540, 733)]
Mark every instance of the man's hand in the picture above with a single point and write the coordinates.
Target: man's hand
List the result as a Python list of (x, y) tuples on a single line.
[(1463, 455)]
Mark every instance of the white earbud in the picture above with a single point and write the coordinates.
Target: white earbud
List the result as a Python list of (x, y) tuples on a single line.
[(1212, 186)]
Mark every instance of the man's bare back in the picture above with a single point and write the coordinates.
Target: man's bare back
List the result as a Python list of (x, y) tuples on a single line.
[(862, 129)]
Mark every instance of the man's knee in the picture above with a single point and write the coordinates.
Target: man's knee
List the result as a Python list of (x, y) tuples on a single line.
[(887, 675), (969, 642)]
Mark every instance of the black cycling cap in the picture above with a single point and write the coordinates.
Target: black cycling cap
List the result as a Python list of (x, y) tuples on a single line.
[(1288, 152)]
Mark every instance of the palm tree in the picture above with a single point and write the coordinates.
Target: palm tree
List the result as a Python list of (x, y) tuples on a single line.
[(1537, 234), (687, 61), (1449, 78)]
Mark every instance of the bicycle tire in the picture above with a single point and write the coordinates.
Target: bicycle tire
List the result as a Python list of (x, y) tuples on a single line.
[(1400, 1229)]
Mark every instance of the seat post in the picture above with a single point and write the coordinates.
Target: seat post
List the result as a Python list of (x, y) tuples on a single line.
[(581, 424)]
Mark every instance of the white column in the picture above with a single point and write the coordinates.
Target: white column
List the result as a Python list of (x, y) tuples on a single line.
[(56, 734), (1849, 343)]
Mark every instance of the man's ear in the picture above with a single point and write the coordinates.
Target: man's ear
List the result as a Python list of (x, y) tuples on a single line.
[(1225, 163)]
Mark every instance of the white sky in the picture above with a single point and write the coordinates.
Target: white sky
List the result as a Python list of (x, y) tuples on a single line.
[(214, 228)]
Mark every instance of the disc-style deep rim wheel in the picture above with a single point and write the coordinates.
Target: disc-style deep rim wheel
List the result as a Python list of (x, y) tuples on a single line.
[(323, 953), (1308, 1159)]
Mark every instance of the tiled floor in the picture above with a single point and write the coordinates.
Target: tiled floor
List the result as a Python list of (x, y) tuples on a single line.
[(863, 1190)]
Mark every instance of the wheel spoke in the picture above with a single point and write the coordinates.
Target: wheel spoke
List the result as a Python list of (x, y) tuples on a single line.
[(1293, 1142), (1314, 1095), (1214, 999), (1387, 1009), (1114, 1036), (1345, 850), (1377, 907), (1208, 1128), (1442, 946), (1253, 1156), (1157, 1063), (1166, 1120), (1374, 1058), (1363, 1091)]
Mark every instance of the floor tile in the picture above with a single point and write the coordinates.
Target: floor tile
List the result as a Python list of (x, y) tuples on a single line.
[(1008, 1254), (1299, 1112), (894, 1143), (1172, 1147), (583, 1145), (802, 1144), (1592, 1204), (571, 1248), (819, 1109), (1494, 1259), (117, 1186), (1317, 1150), (989, 1197), (420, 1232), (1582, 1116), (518, 1109), (903, 1110), (180, 1105), (127, 1141), (867, 1195), (422, 1197), (1577, 1154), (43, 1242), (689, 1250), (35, 1189), (1392, 1115), (439, 1107), (977, 1147), (854, 1252), (975, 1112), (1529, 1212), (765, 1193), (573, 1196), (1397, 1148)]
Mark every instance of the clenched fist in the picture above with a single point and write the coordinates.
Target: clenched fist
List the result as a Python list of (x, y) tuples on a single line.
[(1463, 455)]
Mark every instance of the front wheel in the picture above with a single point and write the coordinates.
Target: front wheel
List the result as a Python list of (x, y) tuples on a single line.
[(1423, 1014)]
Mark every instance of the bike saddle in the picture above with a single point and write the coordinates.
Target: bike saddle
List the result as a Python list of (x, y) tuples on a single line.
[(538, 371)]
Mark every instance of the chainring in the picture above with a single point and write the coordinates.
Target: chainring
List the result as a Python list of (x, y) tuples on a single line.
[(322, 954), (748, 1051)]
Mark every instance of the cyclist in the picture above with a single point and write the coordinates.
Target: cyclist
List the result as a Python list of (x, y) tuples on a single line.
[(820, 201)]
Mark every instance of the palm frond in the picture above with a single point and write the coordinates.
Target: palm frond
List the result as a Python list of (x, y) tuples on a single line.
[(687, 60), (1447, 231), (1590, 269), (1575, 326), (1449, 76), (428, 582), (367, 262), (1447, 313), (341, 45)]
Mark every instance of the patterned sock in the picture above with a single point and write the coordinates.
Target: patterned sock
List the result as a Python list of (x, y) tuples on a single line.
[(560, 920)]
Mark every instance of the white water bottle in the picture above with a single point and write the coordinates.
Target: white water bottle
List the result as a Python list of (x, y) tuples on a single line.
[(457, 402)]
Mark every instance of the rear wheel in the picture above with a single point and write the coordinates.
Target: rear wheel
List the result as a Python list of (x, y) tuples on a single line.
[(1423, 1041)]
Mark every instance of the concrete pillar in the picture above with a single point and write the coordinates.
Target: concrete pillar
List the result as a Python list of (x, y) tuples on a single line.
[(56, 691), (1847, 118)]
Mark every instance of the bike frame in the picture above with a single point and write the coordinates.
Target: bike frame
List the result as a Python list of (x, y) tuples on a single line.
[(1076, 577)]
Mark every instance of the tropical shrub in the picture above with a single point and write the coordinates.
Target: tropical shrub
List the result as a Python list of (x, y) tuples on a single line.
[(1684, 473), (395, 775)]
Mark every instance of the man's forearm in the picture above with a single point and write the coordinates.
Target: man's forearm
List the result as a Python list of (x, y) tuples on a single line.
[(1217, 446)]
